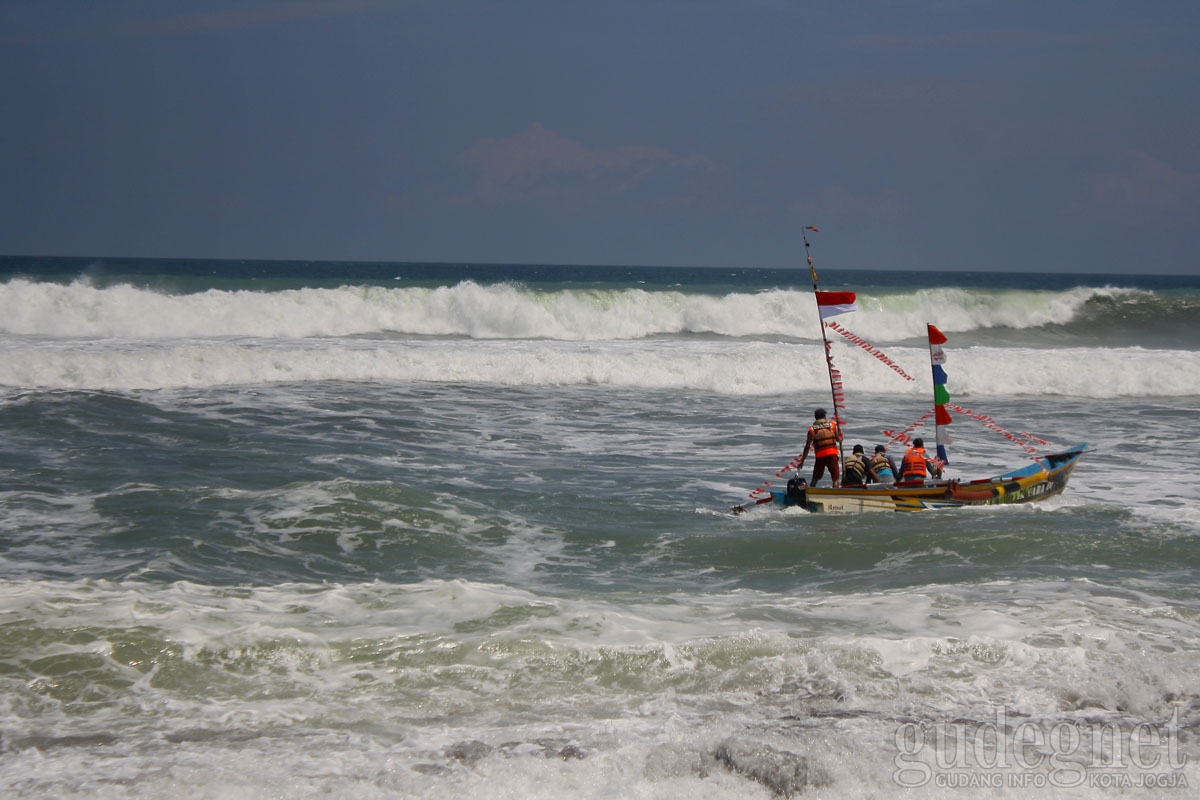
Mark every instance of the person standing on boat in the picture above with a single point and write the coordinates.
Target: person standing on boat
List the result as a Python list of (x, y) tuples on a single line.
[(883, 467), (823, 439), (916, 465)]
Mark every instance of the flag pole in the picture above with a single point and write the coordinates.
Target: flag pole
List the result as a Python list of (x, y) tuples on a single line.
[(833, 385), (941, 397)]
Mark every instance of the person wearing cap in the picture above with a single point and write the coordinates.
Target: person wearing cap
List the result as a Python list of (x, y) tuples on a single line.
[(883, 468), (823, 439)]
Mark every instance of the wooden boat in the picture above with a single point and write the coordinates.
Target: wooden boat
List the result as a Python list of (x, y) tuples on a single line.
[(1046, 477)]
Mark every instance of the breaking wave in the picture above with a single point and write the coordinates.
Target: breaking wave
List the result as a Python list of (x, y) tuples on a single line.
[(512, 311)]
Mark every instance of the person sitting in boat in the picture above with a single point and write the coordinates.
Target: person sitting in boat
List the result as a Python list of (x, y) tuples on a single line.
[(823, 439), (916, 465), (883, 468), (856, 469)]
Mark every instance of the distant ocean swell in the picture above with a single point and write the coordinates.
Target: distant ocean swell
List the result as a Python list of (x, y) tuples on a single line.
[(511, 311)]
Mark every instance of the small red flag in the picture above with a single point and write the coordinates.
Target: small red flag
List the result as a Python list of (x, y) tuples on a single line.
[(814, 228), (835, 298), (936, 336)]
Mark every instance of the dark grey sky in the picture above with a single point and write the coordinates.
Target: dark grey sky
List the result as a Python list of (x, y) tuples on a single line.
[(945, 134)]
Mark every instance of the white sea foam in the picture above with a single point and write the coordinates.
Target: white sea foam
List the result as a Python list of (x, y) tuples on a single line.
[(447, 687), (721, 366)]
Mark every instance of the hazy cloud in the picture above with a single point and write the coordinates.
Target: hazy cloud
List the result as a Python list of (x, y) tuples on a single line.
[(1143, 185), (167, 20), (541, 163), (837, 200)]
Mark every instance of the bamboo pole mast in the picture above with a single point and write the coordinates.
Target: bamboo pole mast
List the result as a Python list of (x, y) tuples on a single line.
[(833, 384)]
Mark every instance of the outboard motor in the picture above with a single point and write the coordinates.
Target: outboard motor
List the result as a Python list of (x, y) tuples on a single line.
[(797, 492)]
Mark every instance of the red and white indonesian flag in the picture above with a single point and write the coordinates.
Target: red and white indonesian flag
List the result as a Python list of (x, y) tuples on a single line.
[(830, 304)]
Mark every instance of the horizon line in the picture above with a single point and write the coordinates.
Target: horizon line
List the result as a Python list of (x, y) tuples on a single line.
[(461, 263)]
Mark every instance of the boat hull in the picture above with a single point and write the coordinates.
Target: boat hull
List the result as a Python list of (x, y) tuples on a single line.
[(1045, 478)]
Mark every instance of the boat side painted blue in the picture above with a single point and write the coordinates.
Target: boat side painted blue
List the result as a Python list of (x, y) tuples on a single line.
[(1054, 461)]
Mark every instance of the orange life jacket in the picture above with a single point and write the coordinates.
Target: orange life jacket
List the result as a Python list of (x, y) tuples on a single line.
[(824, 438), (913, 466)]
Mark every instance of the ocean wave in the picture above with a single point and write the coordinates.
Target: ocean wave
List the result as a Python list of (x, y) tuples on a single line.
[(458, 688), (720, 366), (512, 311)]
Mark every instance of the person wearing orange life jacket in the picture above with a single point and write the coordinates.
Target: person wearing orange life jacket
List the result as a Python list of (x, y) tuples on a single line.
[(915, 464), (823, 439)]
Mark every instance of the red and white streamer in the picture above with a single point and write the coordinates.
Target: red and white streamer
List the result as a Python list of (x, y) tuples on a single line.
[(870, 348)]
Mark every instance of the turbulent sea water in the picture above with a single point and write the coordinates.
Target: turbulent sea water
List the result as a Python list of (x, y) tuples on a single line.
[(400, 530)]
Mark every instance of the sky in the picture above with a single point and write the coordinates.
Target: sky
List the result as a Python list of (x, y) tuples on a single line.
[(1057, 135)]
